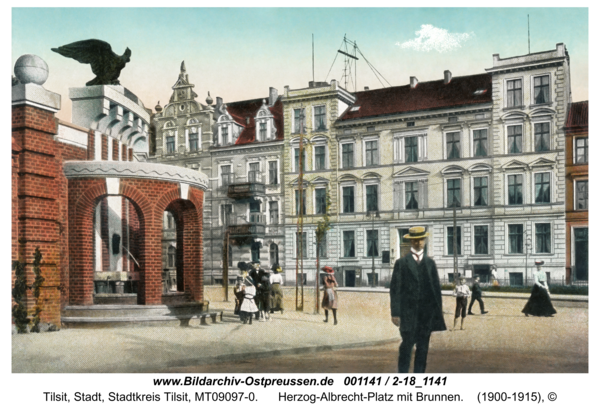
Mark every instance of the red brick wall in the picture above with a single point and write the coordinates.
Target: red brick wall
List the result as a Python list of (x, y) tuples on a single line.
[(104, 234), (115, 149), (91, 145), (130, 155), (65, 152), (104, 147), (37, 222), (123, 152)]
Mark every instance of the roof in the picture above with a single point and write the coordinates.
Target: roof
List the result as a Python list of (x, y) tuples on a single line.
[(578, 115), (425, 96), (248, 109)]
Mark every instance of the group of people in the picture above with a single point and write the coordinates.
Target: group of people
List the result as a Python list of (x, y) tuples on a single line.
[(416, 300), (258, 292)]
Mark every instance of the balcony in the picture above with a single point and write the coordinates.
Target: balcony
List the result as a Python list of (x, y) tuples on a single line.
[(247, 190), (242, 231)]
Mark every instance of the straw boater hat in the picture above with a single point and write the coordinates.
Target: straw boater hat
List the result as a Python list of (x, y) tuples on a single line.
[(327, 269), (416, 232)]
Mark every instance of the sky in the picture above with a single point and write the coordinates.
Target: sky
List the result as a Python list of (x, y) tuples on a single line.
[(238, 53)]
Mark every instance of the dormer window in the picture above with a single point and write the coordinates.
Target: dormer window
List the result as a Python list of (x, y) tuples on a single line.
[(355, 108), (262, 131), (225, 134), (479, 92)]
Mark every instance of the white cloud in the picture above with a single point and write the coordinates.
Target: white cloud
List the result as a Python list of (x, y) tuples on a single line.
[(434, 38)]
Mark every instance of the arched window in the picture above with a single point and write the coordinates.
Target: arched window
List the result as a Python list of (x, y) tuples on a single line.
[(274, 253)]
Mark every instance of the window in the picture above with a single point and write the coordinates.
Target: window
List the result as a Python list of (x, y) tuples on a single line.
[(262, 132), (255, 251), (541, 89), (320, 118), (301, 241), (450, 239), (515, 238), (372, 242), (581, 150), (274, 253), (515, 189), (453, 192), (225, 134), (298, 120), (171, 256), (297, 159), (581, 190), (274, 212), (542, 188), (481, 240), (348, 199), (542, 137), (348, 243), (372, 203), (320, 158), (515, 278), (347, 155), (322, 247), (411, 149), (515, 139), (411, 193), (170, 144), (298, 203), (253, 172), (273, 175), (480, 191), (371, 153), (480, 144), (227, 215), (254, 208), (320, 201), (453, 145), (193, 142), (542, 238), (514, 93), (226, 175)]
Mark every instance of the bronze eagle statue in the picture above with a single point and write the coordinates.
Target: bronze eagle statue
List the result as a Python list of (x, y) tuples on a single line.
[(106, 64)]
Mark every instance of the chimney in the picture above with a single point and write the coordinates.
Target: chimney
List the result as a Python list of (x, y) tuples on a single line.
[(286, 90), (413, 82), (219, 102), (447, 76), (272, 96), (366, 87), (247, 120)]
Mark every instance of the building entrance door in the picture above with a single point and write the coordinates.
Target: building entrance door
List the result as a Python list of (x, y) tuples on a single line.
[(581, 253), (350, 276)]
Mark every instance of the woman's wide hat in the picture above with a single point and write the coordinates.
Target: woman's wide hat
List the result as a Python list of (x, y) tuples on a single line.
[(327, 269), (539, 262), (416, 232), (276, 268)]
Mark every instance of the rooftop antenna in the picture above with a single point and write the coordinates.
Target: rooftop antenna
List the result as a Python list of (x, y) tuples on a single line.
[(528, 37), (348, 62)]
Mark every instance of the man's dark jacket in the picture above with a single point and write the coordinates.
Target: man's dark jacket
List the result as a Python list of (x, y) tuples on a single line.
[(414, 283), (476, 292)]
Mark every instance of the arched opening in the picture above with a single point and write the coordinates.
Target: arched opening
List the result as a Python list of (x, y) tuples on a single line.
[(274, 253), (117, 237)]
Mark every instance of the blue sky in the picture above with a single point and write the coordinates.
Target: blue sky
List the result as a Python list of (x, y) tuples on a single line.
[(237, 53)]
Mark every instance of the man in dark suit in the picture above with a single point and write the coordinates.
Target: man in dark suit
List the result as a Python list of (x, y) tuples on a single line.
[(416, 301), (476, 296)]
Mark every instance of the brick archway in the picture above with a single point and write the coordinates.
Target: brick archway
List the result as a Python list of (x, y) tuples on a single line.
[(149, 197)]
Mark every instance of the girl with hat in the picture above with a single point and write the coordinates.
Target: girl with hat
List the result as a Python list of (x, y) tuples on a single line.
[(248, 307), (276, 291), (330, 299), (238, 289), (539, 303)]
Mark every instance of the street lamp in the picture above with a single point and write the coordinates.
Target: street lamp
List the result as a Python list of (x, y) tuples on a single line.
[(373, 214)]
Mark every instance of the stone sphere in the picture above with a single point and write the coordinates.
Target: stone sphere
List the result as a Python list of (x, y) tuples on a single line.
[(30, 68)]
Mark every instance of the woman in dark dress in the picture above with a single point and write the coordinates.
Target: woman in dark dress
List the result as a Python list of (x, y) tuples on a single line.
[(539, 303), (330, 299)]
